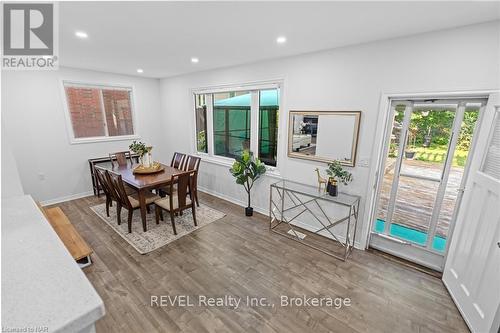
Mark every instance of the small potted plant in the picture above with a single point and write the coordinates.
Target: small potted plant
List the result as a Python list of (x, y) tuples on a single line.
[(247, 169), (336, 174), (410, 152), (143, 151)]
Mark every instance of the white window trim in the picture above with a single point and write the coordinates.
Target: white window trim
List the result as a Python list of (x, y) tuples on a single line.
[(253, 88), (67, 114)]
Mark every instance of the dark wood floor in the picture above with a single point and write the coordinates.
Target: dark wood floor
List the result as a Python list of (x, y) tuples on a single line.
[(239, 256)]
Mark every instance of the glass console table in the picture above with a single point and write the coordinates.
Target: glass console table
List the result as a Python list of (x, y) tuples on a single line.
[(294, 206)]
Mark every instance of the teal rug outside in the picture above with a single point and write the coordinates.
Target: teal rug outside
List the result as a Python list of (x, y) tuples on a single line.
[(411, 235)]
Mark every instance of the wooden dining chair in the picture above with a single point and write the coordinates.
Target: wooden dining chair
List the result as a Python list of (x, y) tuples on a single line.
[(177, 160), (129, 202), (178, 200), (120, 158), (193, 163), (105, 186)]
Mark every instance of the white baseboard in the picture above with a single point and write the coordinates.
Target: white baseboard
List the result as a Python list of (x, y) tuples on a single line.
[(66, 198), (232, 200), (265, 211)]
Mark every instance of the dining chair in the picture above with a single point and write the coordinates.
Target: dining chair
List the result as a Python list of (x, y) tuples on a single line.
[(105, 186), (178, 199), (193, 163), (120, 157), (177, 160), (129, 202)]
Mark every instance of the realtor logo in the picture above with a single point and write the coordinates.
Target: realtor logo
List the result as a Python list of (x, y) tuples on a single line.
[(29, 36)]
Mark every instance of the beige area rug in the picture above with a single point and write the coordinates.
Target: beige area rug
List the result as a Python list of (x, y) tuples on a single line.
[(158, 235)]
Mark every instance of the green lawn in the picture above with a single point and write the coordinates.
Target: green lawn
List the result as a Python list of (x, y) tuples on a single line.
[(437, 154)]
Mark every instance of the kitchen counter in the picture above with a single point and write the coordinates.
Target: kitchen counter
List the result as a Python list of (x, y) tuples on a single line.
[(43, 289)]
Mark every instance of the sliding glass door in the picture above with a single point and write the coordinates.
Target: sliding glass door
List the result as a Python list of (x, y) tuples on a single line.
[(427, 145)]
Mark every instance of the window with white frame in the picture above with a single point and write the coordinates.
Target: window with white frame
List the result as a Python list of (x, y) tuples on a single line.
[(99, 112), (228, 122)]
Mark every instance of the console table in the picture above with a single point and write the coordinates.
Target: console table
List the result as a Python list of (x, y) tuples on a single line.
[(94, 161), (293, 205)]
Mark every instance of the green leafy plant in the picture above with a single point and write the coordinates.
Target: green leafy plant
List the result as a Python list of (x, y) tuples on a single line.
[(201, 141), (139, 148), (338, 173), (247, 169)]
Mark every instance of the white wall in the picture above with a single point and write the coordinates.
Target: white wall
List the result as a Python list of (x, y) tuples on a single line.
[(11, 182), (350, 78), (34, 122)]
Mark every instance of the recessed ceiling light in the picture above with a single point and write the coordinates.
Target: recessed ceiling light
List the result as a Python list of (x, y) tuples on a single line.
[(195, 60), (281, 39), (140, 70), (81, 34)]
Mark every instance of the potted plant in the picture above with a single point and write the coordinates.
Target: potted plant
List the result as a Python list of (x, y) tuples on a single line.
[(336, 173), (143, 151), (410, 150), (247, 169)]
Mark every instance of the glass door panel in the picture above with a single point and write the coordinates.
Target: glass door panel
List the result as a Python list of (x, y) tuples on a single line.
[(455, 178), (393, 144), (422, 166)]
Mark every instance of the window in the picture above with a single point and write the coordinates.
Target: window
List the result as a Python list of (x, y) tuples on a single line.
[(99, 112), (201, 123), (229, 122), (268, 125)]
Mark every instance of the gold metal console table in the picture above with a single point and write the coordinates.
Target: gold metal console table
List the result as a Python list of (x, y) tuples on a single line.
[(294, 205)]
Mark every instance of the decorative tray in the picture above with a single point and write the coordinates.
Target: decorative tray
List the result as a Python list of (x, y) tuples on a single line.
[(156, 167)]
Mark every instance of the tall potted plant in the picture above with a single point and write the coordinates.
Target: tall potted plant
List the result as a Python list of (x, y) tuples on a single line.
[(247, 169)]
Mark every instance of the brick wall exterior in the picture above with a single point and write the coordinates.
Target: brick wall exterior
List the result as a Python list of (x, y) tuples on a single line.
[(118, 112), (85, 110), (87, 116)]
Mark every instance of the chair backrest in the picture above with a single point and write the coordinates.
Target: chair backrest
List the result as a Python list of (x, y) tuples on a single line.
[(119, 190), (184, 181), (103, 185), (120, 158), (177, 160), (191, 163)]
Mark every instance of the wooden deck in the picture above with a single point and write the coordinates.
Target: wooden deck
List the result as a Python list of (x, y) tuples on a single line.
[(415, 197)]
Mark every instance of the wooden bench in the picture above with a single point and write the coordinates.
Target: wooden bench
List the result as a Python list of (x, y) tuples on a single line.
[(76, 245)]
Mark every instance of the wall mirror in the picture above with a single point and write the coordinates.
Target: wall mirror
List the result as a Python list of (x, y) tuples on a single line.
[(324, 135)]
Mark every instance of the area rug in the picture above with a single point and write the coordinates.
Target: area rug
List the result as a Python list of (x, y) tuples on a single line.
[(158, 235)]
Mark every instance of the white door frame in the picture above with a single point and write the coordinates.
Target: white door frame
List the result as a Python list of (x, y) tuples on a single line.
[(379, 148)]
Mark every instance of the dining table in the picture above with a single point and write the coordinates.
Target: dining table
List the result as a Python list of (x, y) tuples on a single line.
[(143, 182)]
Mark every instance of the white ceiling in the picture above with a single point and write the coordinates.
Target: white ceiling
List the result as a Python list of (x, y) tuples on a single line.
[(161, 37)]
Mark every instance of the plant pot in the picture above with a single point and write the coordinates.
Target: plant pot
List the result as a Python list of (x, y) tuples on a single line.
[(249, 211), (410, 154), (333, 190)]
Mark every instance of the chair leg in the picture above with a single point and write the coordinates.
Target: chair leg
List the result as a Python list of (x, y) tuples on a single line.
[(161, 214), (130, 213), (147, 209), (157, 214), (196, 198), (119, 213), (107, 206), (172, 218), (194, 214)]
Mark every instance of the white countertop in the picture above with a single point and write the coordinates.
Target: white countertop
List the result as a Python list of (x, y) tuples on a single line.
[(42, 286)]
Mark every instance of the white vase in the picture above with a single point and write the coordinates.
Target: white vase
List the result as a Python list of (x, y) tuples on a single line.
[(146, 160)]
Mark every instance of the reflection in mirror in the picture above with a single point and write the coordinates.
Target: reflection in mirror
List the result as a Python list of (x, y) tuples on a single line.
[(324, 136)]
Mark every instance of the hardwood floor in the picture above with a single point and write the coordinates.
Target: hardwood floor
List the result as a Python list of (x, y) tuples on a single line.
[(238, 256)]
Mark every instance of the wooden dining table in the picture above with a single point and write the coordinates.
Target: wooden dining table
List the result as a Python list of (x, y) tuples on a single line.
[(143, 182)]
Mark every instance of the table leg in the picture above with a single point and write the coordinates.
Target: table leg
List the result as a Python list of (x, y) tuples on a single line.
[(142, 202)]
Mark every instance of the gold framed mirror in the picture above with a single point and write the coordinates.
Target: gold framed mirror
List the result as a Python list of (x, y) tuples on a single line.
[(324, 135)]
